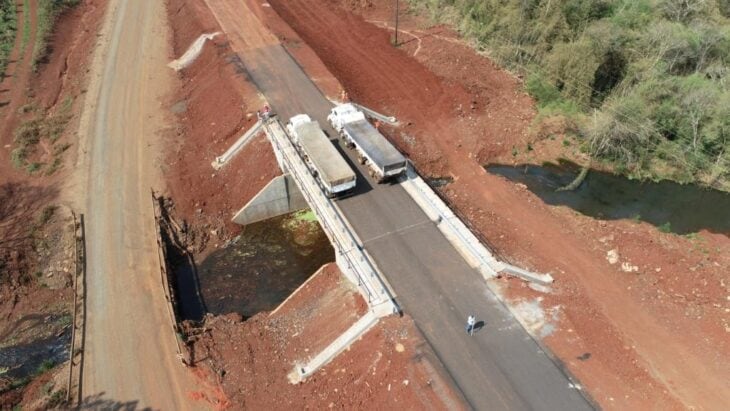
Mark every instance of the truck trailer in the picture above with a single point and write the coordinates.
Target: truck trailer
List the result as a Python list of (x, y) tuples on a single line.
[(373, 149), (325, 163)]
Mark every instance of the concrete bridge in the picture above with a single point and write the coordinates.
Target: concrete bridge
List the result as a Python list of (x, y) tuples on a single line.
[(400, 243)]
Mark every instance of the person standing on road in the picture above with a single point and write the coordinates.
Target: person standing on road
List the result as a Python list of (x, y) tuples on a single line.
[(470, 321)]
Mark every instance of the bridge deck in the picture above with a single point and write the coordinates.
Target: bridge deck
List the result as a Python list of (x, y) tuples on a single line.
[(500, 367)]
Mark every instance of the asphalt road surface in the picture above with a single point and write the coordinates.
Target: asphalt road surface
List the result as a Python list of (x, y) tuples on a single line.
[(500, 366), (129, 360)]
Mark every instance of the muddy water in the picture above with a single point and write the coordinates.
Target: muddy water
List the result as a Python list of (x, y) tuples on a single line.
[(259, 269), (681, 209)]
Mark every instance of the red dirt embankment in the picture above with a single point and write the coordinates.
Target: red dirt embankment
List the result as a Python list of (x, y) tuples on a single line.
[(214, 105), (654, 337), (389, 367)]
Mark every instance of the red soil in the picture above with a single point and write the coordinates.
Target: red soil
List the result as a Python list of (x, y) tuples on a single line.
[(389, 367), (60, 76), (23, 196), (216, 105), (59, 79), (459, 111)]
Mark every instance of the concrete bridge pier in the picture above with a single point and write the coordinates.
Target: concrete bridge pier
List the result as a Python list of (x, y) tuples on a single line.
[(281, 196)]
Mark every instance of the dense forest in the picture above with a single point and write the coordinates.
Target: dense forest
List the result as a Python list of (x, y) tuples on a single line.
[(644, 83)]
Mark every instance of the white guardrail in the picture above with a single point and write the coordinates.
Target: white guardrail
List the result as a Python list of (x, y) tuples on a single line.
[(221, 160), (352, 259), (460, 236)]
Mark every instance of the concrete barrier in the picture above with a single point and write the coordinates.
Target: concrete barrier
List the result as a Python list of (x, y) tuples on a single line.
[(192, 52), (281, 196), (357, 330), (374, 114), (476, 254), (221, 160), (357, 266)]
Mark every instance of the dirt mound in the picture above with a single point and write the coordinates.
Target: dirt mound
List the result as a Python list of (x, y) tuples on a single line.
[(389, 367)]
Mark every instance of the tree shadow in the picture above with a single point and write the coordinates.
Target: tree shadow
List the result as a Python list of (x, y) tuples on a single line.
[(19, 205), (99, 402)]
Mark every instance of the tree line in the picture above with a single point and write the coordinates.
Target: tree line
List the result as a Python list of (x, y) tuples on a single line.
[(644, 83)]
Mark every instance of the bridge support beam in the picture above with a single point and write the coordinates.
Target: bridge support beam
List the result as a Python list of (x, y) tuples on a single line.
[(281, 196)]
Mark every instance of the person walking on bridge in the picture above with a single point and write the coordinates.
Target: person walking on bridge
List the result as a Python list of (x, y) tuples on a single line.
[(470, 321)]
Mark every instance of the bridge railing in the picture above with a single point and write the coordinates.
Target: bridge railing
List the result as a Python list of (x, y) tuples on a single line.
[(344, 239)]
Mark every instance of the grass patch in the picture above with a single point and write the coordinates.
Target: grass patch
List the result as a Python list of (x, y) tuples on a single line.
[(45, 366), (47, 214), (65, 320), (305, 216), (666, 227), (43, 126), (48, 12), (55, 165), (57, 398), (26, 27), (34, 167), (8, 27)]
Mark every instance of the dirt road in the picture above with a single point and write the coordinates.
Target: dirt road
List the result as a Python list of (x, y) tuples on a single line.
[(130, 349)]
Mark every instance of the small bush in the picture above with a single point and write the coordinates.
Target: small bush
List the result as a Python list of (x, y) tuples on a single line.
[(46, 214), (18, 156), (666, 227), (46, 365), (55, 165), (34, 167)]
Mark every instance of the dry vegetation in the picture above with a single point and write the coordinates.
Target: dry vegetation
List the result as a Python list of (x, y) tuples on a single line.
[(644, 83)]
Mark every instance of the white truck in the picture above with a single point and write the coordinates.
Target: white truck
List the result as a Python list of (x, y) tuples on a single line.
[(325, 163), (373, 149)]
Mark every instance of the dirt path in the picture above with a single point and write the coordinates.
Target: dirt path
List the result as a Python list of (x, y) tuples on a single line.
[(130, 350)]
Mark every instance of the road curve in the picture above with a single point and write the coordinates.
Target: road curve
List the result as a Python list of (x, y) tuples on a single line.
[(129, 357)]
